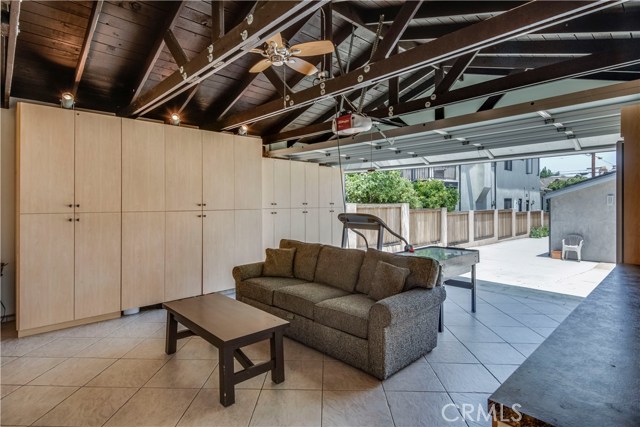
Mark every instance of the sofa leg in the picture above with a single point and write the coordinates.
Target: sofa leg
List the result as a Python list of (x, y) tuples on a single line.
[(441, 318)]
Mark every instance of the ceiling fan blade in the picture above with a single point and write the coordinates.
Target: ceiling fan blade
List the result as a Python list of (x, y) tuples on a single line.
[(301, 66), (260, 66), (258, 51), (276, 38), (319, 47)]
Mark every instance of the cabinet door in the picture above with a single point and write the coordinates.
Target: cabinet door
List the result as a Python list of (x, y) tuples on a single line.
[(282, 184), (336, 226), (183, 168), (98, 151), (325, 176), (218, 253), (281, 226), (142, 166), (248, 172), (248, 236), (336, 187), (142, 259), (268, 228), (218, 167), (45, 270), (45, 159), (312, 225), (298, 196), (97, 264), (183, 255), (298, 219), (325, 229), (311, 184), (268, 199)]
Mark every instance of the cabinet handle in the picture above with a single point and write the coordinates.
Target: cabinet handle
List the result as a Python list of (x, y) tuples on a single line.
[(78, 205), (204, 216), (70, 219), (199, 204), (78, 219), (199, 216), (70, 205), (204, 204)]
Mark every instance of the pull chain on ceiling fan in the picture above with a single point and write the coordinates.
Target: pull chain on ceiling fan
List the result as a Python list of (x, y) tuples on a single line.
[(277, 51)]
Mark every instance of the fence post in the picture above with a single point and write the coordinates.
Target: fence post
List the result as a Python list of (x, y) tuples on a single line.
[(472, 228), (514, 225), (528, 223), (405, 223), (443, 227), (353, 238), (496, 224), (541, 218)]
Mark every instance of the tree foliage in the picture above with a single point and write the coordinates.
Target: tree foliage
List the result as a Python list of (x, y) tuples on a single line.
[(546, 173), (561, 183), (433, 194), (380, 187)]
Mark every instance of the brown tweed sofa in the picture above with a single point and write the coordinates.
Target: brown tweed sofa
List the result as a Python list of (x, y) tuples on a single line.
[(327, 304)]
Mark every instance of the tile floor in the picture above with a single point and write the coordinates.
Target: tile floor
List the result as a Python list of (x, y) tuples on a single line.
[(116, 373)]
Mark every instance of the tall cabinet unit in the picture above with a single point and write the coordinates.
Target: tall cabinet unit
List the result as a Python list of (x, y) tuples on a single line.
[(68, 244), (143, 218), (331, 205), (276, 202), (248, 199)]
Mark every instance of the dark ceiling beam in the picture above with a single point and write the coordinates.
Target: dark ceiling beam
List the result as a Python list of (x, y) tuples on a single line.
[(511, 24), (510, 62), (281, 87), (456, 71), (405, 85), (269, 18), (218, 109), (549, 47), (351, 15), (12, 39), (492, 101), (327, 34), (217, 20), (158, 45), (440, 9), (393, 33), (86, 44), (174, 47), (624, 54)]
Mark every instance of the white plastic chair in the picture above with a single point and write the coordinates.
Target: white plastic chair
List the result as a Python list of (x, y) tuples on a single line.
[(572, 243)]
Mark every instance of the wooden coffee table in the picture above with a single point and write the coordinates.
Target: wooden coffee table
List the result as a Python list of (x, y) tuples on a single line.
[(228, 325)]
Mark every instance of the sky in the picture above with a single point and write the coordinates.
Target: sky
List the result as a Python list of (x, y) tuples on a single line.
[(571, 165)]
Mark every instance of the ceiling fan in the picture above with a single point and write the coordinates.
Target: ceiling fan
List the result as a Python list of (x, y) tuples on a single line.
[(277, 52)]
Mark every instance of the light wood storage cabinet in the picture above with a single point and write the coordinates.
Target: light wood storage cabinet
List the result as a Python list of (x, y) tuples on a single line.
[(247, 172), (305, 224), (276, 184), (183, 255), (304, 185), (330, 228), (183, 168), (218, 171), (68, 237), (330, 187), (218, 250), (276, 225)]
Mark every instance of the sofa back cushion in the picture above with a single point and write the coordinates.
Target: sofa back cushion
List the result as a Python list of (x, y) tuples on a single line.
[(339, 267), (424, 271), (305, 260), (279, 262), (388, 281)]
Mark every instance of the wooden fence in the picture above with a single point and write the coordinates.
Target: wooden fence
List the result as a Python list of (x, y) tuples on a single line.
[(521, 223), (505, 228), (457, 227), (391, 214), (484, 224), (425, 226)]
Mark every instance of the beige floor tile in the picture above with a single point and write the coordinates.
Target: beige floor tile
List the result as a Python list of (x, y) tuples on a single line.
[(416, 377), (293, 350), (288, 408), (255, 383), (7, 389), (22, 346), (137, 329), (25, 369), (340, 376), (28, 403), (6, 359), (89, 406), (299, 375), (258, 351), (92, 330), (73, 372), (197, 348), (62, 347), (127, 373), (157, 315), (184, 373), (424, 409), (154, 407), (206, 409), (355, 408), (152, 348), (110, 348)]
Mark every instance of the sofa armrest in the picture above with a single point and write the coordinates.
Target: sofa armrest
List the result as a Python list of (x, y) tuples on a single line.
[(247, 271), (405, 305)]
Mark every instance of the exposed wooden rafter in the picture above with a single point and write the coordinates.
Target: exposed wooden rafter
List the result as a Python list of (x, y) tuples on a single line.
[(217, 20), (12, 39), (397, 28), (86, 44), (503, 27)]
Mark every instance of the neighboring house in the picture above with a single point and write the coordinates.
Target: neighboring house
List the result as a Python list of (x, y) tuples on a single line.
[(587, 208), (513, 184)]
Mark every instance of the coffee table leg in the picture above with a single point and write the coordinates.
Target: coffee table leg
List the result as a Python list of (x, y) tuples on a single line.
[(172, 334), (227, 388), (277, 355)]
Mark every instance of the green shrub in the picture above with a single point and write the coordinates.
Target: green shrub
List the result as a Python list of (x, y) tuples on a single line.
[(380, 187), (538, 232), (434, 195)]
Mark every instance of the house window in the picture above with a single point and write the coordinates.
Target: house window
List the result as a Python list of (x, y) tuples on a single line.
[(529, 164), (508, 165), (508, 203)]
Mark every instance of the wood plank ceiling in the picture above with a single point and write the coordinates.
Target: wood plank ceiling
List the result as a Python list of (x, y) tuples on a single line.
[(127, 56)]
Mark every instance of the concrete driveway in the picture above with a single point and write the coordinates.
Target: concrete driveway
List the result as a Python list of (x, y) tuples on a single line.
[(524, 263)]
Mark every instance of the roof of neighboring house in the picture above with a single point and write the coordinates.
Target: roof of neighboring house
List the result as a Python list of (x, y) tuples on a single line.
[(583, 184)]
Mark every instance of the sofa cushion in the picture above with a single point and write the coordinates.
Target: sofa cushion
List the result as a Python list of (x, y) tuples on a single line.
[(388, 281), (339, 267), (349, 314), (261, 288), (424, 271), (305, 260), (301, 299), (279, 262)]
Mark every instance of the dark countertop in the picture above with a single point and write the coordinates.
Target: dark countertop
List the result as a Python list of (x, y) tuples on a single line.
[(587, 372)]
